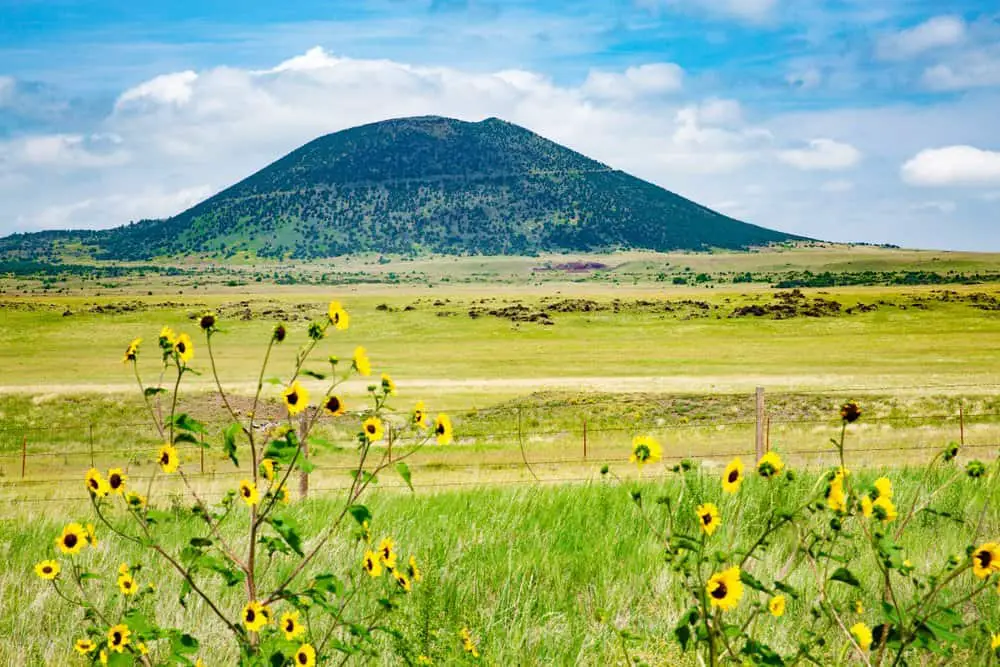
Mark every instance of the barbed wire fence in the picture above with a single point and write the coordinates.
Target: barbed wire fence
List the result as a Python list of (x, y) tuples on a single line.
[(521, 438)]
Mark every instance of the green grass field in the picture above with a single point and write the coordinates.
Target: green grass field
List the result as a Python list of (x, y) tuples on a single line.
[(531, 365)]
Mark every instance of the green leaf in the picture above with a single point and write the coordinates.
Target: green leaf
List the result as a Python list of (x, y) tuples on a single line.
[(157, 516), (843, 575), (751, 581), (137, 622), (229, 442), (185, 422), (273, 381), (404, 472), (785, 588), (327, 583), (314, 374), (185, 437), (183, 643), (289, 532), (200, 542), (153, 391), (360, 514), (185, 591), (305, 465), (120, 659), (683, 635)]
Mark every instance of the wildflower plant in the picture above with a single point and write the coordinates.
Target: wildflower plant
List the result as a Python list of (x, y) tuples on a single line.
[(249, 546), (812, 553)]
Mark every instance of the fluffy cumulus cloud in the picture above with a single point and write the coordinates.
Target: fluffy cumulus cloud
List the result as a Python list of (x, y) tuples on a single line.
[(176, 138), (953, 166), (650, 79), (822, 154), (933, 33)]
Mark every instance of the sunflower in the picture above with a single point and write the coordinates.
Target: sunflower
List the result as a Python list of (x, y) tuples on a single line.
[(72, 540), (142, 648), (248, 492), (290, 625), (442, 429), (414, 570), (708, 517), (420, 418), (402, 580), (116, 480), (836, 499), (986, 560), (725, 589), (118, 636), (387, 552), (126, 584), (84, 646), (884, 510), (267, 469), (256, 616), (645, 450), (361, 363), (305, 656), (776, 605), (333, 406), (124, 568), (371, 565), (863, 634), (167, 338), (388, 386), (184, 348), (732, 476), (859, 608), (167, 458), (135, 500), (372, 428), (48, 569), (282, 494), (296, 398), (995, 641), (132, 351), (200, 663), (96, 484), (883, 487), (207, 322), (468, 645), (770, 465), (338, 316), (866, 506)]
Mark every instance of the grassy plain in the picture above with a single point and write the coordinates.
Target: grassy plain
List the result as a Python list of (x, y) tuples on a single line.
[(677, 361)]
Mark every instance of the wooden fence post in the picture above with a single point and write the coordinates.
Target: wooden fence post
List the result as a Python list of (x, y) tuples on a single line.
[(92, 464), (759, 440), (24, 453), (961, 423), (584, 439), (202, 453)]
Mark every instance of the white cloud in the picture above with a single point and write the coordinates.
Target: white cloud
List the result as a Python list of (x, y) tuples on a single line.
[(176, 88), (116, 209), (63, 151), (7, 85), (806, 79), (976, 69), (649, 79), (952, 165), (822, 154), (933, 33)]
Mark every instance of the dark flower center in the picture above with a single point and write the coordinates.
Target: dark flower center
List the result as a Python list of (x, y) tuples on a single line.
[(733, 476), (71, 540), (720, 590), (165, 458), (181, 347), (251, 616), (246, 491), (116, 638), (371, 428), (289, 625), (93, 484), (440, 429), (303, 658), (115, 481), (333, 405), (293, 398), (985, 558), (642, 452), (47, 569), (706, 519)]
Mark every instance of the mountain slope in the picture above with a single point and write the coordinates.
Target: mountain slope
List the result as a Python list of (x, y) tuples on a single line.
[(434, 184)]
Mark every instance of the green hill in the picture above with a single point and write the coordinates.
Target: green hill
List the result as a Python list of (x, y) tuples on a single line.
[(426, 184)]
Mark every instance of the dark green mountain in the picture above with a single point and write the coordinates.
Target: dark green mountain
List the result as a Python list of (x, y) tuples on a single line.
[(433, 184)]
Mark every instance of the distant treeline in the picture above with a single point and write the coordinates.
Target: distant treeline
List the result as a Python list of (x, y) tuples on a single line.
[(28, 267), (828, 279)]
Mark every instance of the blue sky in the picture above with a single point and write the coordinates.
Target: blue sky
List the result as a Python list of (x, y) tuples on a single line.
[(845, 120)]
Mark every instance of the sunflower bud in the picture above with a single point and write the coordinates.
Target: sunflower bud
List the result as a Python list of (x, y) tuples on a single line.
[(604, 470), (279, 333), (950, 452), (316, 331), (207, 322), (850, 412), (975, 469)]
